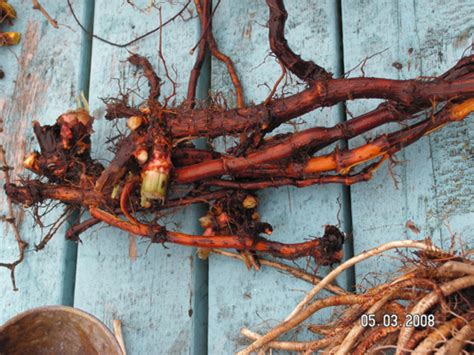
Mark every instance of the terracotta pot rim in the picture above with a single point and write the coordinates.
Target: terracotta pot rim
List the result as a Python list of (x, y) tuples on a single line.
[(66, 309)]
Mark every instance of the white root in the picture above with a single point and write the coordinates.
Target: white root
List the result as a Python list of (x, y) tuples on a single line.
[(290, 345), (429, 301), (358, 329), (304, 311), (458, 342), (424, 245), (308, 312), (456, 267)]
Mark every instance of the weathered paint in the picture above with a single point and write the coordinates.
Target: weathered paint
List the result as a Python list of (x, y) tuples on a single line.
[(434, 186), (152, 289), (153, 294), (238, 297), (41, 81)]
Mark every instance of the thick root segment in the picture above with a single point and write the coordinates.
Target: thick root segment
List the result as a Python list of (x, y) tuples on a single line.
[(156, 168)]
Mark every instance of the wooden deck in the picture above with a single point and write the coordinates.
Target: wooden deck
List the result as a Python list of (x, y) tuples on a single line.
[(168, 300)]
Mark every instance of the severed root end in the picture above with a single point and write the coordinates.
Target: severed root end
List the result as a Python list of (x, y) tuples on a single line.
[(326, 250), (9, 38), (8, 13), (154, 186), (25, 196), (330, 247)]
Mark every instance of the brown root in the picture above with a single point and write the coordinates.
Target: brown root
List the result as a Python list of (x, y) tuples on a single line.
[(156, 169)]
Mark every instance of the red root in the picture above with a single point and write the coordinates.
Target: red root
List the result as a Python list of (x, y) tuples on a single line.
[(155, 164)]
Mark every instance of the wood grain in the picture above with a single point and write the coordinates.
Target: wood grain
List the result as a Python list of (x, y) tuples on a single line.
[(153, 295), (41, 82), (238, 297), (152, 290), (434, 177)]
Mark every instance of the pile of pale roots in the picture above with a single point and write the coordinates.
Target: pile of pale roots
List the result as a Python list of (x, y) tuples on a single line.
[(428, 309)]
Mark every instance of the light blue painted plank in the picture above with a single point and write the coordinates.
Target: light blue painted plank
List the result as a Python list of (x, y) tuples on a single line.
[(443, 33), (153, 296), (435, 184), (238, 297), (41, 81)]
